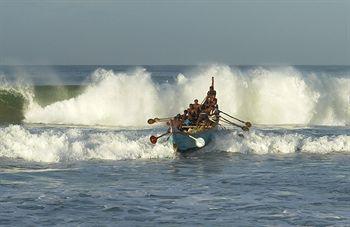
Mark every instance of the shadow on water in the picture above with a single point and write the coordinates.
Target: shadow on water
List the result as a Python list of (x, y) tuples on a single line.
[(12, 105), (13, 102)]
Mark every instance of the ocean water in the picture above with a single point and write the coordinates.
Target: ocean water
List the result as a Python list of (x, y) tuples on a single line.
[(74, 147)]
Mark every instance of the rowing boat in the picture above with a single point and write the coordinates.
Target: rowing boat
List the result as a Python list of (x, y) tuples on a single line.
[(189, 141), (187, 138)]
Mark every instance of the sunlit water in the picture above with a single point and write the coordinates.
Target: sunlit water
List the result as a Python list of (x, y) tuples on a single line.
[(154, 186), (80, 155)]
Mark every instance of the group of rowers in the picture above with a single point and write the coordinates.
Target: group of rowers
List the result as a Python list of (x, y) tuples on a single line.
[(199, 115)]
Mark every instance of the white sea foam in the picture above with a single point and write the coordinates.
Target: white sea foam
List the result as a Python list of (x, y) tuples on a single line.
[(75, 144), (276, 96), (52, 145), (260, 142)]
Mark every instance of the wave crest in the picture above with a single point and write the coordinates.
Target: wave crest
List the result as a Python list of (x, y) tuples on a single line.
[(263, 96), (52, 145)]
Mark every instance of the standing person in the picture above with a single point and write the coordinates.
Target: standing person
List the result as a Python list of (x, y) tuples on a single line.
[(211, 94)]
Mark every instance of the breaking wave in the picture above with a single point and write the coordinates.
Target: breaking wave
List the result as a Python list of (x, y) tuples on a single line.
[(52, 145), (260, 142), (14, 100), (80, 144), (261, 95)]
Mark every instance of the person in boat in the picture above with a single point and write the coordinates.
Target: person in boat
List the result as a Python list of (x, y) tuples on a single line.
[(185, 118), (213, 102), (192, 117), (203, 118), (190, 108), (196, 105), (176, 122), (192, 113), (211, 95), (214, 114)]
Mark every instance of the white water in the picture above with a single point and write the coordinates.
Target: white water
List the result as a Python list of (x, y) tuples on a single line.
[(56, 145), (279, 96), (75, 144), (259, 142)]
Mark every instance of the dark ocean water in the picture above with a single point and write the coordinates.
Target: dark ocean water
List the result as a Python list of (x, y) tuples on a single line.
[(77, 150), (214, 188)]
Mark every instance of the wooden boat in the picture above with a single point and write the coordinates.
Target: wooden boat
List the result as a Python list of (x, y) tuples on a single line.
[(188, 138), (193, 140)]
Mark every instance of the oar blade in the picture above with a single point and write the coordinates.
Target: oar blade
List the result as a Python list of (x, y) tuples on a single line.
[(248, 124), (151, 121), (200, 142), (153, 139), (245, 128)]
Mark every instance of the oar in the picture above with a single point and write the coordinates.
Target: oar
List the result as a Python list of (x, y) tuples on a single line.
[(244, 128), (200, 142), (247, 123), (154, 120), (154, 139)]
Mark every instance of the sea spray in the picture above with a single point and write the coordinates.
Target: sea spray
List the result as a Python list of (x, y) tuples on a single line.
[(281, 141), (51, 144), (74, 144), (111, 99), (262, 95)]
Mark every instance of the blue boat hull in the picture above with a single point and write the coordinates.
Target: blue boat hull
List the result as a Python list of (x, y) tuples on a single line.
[(183, 143)]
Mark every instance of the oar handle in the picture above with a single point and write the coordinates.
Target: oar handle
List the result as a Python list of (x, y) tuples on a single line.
[(154, 139), (244, 128), (230, 122), (247, 123), (163, 119), (156, 119), (231, 116)]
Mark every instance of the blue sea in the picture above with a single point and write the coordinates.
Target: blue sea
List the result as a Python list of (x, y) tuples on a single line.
[(75, 149)]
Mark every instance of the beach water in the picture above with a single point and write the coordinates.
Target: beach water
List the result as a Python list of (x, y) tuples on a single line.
[(75, 150)]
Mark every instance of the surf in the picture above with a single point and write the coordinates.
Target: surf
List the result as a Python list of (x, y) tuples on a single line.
[(66, 144), (265, 95)]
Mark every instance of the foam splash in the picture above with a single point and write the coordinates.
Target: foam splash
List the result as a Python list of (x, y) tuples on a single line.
[(112, 99), (75, 145), (259, 142), (276, 96), (78, 144)]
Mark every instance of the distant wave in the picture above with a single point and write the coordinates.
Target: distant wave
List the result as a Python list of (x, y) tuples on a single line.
[(17, 99), (12, 104), (14, 100), (264, 96), (282, 95)]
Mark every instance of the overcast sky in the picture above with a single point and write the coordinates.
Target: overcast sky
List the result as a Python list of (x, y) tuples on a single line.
[(175, 32)]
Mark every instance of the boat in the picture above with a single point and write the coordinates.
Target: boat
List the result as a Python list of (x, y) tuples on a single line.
[(183, 142), (190, 136)]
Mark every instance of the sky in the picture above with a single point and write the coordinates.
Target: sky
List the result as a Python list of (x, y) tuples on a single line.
[(237, 32)]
